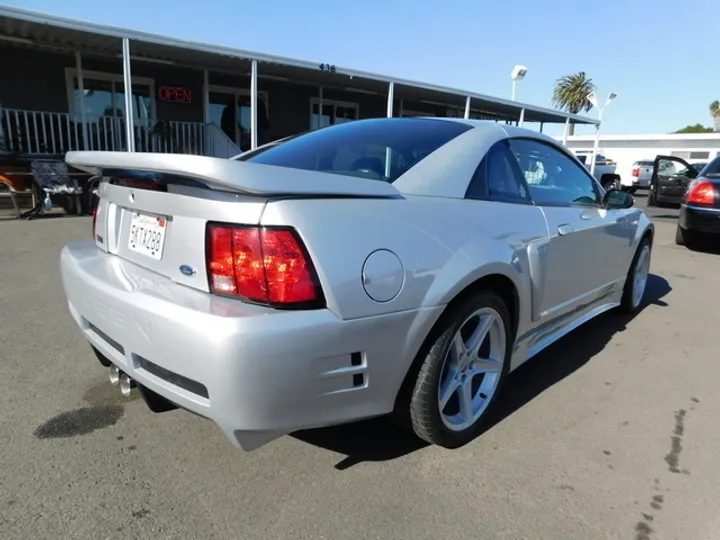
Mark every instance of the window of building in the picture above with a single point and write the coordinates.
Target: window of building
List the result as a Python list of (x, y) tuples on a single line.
[(104, 96), (333, 112), (409, 113), (690, 154)]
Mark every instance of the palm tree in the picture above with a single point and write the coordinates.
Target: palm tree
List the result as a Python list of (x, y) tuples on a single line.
[(715, 112), (571, 94)]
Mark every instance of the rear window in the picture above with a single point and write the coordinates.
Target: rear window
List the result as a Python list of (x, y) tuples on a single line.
[(644, 163), (377, 149), (712, 168)]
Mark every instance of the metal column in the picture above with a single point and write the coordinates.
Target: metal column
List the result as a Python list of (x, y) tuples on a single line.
[(541, 126), (567, 129), (467, 107), (522, 117), (253, 106), (127, 78), (206, 96), (81, 88), (391, 96), (320, 108), (597, 142)]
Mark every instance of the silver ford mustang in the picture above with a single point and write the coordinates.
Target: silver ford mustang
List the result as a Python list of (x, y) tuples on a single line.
[(381, 266)]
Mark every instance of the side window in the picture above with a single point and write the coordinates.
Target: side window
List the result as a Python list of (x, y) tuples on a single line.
[(498, 177), (552, 177)]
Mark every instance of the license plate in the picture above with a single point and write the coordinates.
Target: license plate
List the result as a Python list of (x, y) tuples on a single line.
[(147, 235)]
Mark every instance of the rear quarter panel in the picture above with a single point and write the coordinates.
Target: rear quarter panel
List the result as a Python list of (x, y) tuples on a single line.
[(444, 245)]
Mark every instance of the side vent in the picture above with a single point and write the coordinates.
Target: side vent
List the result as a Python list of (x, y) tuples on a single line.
[(356, 361)]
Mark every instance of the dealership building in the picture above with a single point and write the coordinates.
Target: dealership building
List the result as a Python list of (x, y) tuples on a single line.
[(64, 88)]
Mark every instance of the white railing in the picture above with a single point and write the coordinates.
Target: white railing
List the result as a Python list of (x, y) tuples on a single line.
[(40, 133), (218, 144)]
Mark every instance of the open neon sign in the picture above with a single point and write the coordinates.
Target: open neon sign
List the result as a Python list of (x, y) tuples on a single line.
[(175, 94)]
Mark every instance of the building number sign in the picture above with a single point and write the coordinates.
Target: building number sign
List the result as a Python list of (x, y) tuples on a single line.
[(327, 67)]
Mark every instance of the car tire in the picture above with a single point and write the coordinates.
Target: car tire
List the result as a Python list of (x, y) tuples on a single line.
[(683, 237), (447, 376), (680, 236), (637, 278)]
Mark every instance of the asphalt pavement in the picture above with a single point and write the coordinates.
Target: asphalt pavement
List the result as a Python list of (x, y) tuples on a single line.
[(609, 434)]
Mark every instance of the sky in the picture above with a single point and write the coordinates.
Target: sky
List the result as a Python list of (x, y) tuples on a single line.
[(659, 56)]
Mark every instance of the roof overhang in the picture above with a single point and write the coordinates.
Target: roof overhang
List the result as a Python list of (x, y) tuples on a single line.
[(39, 30)]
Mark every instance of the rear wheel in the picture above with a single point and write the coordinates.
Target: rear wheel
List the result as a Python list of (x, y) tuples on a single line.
[(637, 278), (462, 373), (683, 237), (680, 236)]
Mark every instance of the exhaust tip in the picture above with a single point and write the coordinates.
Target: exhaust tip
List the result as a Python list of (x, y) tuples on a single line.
[(114, 375), (126, 385)]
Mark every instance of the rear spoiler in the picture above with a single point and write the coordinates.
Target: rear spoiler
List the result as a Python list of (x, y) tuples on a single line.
[(227, 175)]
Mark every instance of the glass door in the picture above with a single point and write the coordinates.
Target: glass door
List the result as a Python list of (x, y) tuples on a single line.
[(333, 112), (222, 112), (230, 111)]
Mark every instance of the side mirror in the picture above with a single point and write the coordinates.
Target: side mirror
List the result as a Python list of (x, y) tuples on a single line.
[(618, 199)]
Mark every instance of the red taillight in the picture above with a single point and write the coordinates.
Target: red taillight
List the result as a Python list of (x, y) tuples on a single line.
[(702, 192), (636, 172), (263, 265)]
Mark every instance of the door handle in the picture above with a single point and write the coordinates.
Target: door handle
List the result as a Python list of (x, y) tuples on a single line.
[(564, 229)]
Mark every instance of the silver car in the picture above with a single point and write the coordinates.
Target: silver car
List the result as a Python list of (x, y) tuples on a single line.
[(381, 266)]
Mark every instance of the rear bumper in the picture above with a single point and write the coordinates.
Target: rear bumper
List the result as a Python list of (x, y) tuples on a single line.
[(632, 181), (693, 218), (257, 373)]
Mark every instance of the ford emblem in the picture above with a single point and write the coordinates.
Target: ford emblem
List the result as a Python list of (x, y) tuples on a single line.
[(187, 270)]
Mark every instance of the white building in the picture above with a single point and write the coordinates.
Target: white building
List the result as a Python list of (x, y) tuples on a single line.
[(626, 149)]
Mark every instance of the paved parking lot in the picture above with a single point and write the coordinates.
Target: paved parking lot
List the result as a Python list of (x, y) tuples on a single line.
[(609, 434)]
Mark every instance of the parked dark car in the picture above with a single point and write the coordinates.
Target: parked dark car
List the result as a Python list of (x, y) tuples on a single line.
[(700, 206), (671, 177)]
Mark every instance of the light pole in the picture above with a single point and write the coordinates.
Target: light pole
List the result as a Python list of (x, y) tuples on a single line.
[(592, 98), (518, 74)]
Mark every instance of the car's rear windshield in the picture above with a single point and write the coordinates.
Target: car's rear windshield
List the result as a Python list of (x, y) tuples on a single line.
[(712, 168), (644, 163), (377, 149)]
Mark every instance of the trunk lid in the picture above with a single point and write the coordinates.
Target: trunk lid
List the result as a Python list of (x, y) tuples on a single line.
[(154, 208)]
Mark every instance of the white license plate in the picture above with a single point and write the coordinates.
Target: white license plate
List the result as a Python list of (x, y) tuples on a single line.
[(147, 235)]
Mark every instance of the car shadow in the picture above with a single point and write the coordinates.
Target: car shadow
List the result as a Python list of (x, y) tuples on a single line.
[(380, 440)]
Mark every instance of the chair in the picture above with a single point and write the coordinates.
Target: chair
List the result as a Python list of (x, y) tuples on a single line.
[(53, 177)]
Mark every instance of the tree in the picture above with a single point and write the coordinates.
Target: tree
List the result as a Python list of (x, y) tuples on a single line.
[(697, 128), (571, 94), (715, 113)]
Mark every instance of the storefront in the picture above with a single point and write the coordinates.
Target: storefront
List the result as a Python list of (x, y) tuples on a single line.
[(64, 88)]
